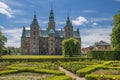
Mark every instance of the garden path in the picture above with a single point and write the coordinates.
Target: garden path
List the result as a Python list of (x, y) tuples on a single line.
[(74, 76)]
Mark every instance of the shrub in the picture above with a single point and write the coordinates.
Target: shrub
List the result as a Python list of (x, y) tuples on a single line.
[(60, 78), (37, 59), (47, 71), (87, 70), (104, 55), (96, 77), (8, 72)]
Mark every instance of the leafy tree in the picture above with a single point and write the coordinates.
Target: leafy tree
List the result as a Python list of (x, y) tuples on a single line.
[(3, 39), (115, 36), (70, 47)]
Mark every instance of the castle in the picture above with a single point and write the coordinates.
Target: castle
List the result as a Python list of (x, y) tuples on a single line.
[(46, 42)]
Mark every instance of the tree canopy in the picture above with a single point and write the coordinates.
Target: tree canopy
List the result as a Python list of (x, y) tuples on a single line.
[(3, 39), (115, 36), (70, 47)]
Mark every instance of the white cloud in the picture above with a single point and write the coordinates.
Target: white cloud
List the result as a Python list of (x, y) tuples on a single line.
[(88, 11), (90, 36), (13, 36), (1, 27), (102, 19), (13, 3), (79, 21), (5, 9), (94, 24)]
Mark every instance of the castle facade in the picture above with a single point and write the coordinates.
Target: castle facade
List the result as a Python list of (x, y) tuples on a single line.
[(35, 41)]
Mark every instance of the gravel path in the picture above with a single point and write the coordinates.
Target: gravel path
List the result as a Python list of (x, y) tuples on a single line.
[(74, 76)]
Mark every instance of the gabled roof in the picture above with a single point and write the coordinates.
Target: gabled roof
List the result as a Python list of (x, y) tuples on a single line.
[(59, 33), (51, 31), (102, 43), (44, 33), (26, 33)]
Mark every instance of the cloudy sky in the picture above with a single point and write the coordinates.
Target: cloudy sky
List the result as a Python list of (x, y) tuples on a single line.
[(93, 17)]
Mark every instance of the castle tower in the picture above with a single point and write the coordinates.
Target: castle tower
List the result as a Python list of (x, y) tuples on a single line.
[(34, 36), (68, 29), (51, 23), (51, 33), (24, 47)]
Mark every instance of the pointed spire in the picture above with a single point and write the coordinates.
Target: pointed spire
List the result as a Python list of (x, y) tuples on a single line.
[(35, 18), (34, 22), (51, 17), (23, 28), (68, 18), (34, 14)]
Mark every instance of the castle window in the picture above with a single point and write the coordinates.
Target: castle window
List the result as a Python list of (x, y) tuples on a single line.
[(34, 46), (105, 47), (52, 49), (51, 43), (34, 38), (33, 50), (51, 40), (34, 32)]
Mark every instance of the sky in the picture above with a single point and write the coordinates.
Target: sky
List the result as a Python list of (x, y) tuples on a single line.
[(94, 18)]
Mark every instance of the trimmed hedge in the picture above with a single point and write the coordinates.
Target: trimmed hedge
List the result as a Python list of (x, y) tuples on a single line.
[(8, 72), (47, 71), (41, 71), (60, 78), (87, 70), (97, 77), (62, 59), (104, 55)]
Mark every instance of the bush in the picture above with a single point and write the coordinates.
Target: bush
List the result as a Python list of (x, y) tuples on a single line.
[(87, 70), (41, 71), (47, 71), (72, 66), (104, 55), (8, 72), (60, 78), (40, 59), (97, 77)]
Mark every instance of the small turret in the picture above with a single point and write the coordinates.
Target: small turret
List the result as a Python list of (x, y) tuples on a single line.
[(34, 22), (68, 29)]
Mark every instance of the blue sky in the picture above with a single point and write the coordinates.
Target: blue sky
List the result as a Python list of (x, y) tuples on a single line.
[(93, 17)]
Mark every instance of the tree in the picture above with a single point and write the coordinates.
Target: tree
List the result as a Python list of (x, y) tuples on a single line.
[(70, 47), (115, 36), (3, 39)]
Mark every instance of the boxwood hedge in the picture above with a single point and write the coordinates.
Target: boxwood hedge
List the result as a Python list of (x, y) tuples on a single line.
[(60, 78), (98, 77), (104, 55)]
